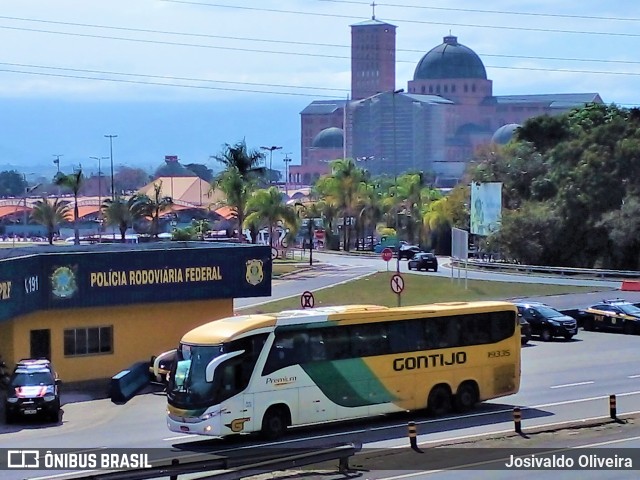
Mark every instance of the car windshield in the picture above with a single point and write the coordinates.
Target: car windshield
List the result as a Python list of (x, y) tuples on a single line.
[(31, 379), (630, 309), (549, 312)]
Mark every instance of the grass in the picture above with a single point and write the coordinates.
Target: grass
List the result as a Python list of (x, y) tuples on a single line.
[(420, 289)]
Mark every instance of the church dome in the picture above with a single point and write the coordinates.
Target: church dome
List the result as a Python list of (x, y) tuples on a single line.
[(504, 134), (332, 137), (450, 60)]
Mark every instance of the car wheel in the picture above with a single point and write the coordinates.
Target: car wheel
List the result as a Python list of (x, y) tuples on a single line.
[(587, 324), (628, 328), (545, 335), (435, 269), (568, 337), (8, 418)]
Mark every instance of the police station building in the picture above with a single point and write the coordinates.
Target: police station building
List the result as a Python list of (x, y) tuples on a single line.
[(93, 310)]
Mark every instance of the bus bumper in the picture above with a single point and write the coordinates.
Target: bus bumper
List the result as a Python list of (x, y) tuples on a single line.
[(211, 426)]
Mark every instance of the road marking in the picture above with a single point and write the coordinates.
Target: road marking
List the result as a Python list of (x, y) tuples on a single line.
[(633, 376), (572, 384)]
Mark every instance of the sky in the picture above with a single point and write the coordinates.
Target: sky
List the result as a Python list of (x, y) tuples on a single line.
[(180, 77)]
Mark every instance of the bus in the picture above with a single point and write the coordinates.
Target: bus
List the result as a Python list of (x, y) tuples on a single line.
[(267, 372)]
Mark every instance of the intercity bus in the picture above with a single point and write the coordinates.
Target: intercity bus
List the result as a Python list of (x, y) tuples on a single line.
[(265, 373)]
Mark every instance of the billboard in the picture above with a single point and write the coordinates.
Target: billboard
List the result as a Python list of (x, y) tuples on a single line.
[(486, 207)]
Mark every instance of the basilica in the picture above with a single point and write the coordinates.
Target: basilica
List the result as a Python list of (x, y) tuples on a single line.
[(432, 125)]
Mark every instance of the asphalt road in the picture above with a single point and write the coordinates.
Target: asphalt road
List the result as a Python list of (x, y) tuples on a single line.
[(561, 382)]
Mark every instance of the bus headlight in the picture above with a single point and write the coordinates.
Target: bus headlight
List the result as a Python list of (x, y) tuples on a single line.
[(49, 398), (12, 399), (209, 415)]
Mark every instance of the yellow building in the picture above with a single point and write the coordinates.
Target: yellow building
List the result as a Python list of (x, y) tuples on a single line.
[(93, 310)]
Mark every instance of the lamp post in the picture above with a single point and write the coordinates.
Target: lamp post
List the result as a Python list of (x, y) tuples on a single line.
[(270, 149), (99, 159), (395, 176), (286, 161), (113, 190), (27, 191)]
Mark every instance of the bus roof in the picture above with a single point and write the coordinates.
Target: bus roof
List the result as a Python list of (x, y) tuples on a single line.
[(225, 329)]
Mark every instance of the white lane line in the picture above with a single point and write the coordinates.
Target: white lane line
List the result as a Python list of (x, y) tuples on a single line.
[(572, 385), (633, 376)]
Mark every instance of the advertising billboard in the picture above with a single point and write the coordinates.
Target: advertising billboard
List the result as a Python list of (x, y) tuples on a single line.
[(486, 207)]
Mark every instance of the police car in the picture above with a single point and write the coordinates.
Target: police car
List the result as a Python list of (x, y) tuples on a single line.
[(33, 391), (617, 314)]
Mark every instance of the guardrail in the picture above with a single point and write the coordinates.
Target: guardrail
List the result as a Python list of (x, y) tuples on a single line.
[(519, 268), (231, 468)]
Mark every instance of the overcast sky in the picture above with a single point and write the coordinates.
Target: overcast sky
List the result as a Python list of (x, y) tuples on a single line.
[(180, 77)]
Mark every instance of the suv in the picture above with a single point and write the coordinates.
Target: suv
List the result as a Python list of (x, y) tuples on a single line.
[(547, 322), (614, 314), (32, 391)]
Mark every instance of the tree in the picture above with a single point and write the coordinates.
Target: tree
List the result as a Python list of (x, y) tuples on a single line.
[(73, 182), (268, 206), (152, 207), (119, 213), (50, 214), (12, 184), (239, 177), (202, 171), (131, 179)]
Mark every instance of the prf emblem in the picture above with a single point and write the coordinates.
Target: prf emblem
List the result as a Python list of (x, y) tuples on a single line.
[(237, 425), (254, 273)]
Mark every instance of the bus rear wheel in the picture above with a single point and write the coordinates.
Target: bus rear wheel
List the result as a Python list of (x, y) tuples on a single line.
[(466, 397), (274, 423), (439, 402)]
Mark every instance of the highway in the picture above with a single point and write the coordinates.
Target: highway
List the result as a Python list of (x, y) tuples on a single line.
[(561, 382)]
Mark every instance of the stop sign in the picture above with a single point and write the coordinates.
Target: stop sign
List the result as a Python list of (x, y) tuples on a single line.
[(387, 254)]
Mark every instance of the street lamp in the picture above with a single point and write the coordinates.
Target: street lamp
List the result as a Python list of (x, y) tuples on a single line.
[(99, 159), (113, 190), (286, 161), (271, 149), (27, 191), (57, 161), (395, 175)]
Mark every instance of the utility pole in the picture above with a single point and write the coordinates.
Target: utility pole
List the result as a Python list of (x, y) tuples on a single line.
[(57, 161), (113, 190), (99, 159)]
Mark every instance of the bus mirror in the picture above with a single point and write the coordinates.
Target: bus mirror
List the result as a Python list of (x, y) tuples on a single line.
[(213, 364), (166, 358)]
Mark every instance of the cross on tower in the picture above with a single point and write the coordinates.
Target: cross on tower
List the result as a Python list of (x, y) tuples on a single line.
[(373, 7)]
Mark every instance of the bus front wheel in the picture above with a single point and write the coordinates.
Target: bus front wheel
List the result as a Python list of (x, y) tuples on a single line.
[(274, 423), (466, 397), (439, 402)]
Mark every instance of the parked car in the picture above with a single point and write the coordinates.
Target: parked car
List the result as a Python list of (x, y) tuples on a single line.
[(525, 330), (33, 391), (408, 251), (616, 314), (547, 322), (425, 260)]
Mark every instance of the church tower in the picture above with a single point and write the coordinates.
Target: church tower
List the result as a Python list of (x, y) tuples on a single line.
[(373, 57)]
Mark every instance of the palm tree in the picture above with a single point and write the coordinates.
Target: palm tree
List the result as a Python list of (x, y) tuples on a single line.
[(119, 213), (50, 214), (268, 205), (239, 177), (152, 207), (73, 182)]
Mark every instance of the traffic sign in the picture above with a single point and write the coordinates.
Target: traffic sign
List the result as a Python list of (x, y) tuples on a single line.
[(307, 300), (274, 253), (397, 283), (387, 254)]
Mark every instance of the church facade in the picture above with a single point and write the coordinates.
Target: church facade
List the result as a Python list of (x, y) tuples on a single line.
[(432, 125)]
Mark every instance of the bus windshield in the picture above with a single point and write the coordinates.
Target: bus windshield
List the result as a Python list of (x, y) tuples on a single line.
[(187, 382)]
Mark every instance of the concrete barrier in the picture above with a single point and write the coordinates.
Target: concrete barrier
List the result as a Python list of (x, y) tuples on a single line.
[(630, 286), (125, 384)]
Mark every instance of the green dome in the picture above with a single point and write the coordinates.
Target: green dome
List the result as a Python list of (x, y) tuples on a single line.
[(450, 60), (504, 134), (332, 137)]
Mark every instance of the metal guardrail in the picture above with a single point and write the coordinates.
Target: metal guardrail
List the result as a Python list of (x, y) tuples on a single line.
[(231, 468), (515, 267)]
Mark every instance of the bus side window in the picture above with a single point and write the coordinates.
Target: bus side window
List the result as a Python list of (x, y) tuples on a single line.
[(502, 325), (337, 343), (369, 340), (407, 336), (317, 349)]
